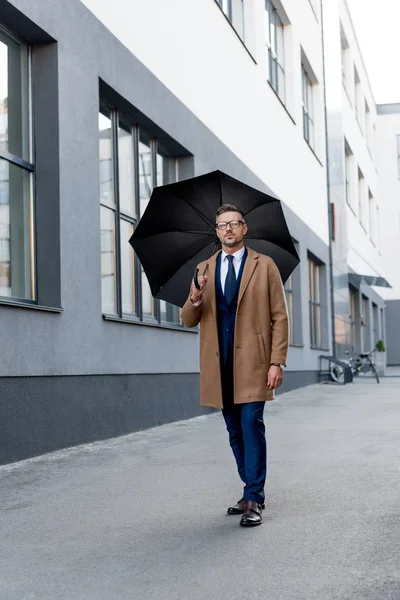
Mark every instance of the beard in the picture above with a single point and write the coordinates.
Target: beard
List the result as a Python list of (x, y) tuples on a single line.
[(231, 242)]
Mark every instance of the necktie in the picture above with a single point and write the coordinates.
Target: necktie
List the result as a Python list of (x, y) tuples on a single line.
[(230, 281)]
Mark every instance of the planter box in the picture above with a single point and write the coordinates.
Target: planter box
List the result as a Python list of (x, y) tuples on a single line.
[(380, 362)]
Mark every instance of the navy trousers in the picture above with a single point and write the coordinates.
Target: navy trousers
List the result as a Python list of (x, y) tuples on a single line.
[(245, 425)]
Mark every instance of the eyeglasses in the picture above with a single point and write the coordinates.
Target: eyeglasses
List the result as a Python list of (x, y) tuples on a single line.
[(232, 224)]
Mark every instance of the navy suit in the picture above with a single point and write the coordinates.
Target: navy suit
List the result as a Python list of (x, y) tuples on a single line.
[(244, 422)]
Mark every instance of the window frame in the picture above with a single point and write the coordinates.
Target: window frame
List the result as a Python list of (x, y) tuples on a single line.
[(315, 304), (276, 63), (117, 117), (348, 158), (308, 107), (28, 166)]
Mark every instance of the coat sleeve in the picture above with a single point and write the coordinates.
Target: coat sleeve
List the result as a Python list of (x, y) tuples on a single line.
[(279, 316), (191, 314)]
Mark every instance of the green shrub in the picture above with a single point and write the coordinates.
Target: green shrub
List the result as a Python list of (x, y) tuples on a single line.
[(380, 346)]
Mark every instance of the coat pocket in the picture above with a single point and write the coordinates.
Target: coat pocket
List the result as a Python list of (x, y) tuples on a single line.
[(261, 348)]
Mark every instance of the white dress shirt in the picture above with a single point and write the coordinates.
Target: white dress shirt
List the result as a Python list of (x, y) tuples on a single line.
[(237, 261)]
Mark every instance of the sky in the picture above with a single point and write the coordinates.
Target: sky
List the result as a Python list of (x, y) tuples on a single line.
[(378, 34)]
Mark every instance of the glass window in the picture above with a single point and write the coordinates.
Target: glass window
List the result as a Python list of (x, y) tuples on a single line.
[(348, 163), (234, 10), (371, 215), (127, 270), (365, 324), (108, 275), (126, 171), (314, 282), (274, 48), (106, 164), (308, 108), (359, 101), (362, 198), (345, 57), (17, 271), (353, 317), (130, 164)]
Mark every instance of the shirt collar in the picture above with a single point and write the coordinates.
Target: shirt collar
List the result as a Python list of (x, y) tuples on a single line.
[(238, 254)]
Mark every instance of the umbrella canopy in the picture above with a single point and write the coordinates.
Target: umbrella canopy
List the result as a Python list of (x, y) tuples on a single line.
[(177, 230)]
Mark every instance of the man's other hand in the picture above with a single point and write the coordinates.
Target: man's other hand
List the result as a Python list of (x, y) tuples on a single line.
[(275, 377)]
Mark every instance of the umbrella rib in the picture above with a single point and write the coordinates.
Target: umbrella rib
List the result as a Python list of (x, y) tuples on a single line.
[(263, 204), (158, 233), (199, 213)]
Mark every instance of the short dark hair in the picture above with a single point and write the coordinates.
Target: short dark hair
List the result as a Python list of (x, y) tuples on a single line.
[(229, 208)]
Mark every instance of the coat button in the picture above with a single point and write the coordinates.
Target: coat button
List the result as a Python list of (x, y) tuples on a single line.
[(217, 353)]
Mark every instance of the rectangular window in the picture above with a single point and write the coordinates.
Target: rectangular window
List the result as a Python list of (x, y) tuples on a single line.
[(226, 6), (353, 295), (131, 163), (365, 324), (234, 10), (375, 323), (345, 59), (308, 107), (371, 216), (274, 49), (348, 168), (17, 251), (359, 102), (361, 200), (314, 290)]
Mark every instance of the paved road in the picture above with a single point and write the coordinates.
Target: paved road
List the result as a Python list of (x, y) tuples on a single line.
[(142, 517)]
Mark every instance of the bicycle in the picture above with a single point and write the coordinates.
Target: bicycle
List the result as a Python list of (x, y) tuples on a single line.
[(361, 363)]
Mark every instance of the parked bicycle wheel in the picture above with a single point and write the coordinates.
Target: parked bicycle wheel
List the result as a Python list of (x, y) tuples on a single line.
[(375, 373), (337, 373)]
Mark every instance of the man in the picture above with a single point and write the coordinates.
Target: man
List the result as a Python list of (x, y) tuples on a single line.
[(242, 312)]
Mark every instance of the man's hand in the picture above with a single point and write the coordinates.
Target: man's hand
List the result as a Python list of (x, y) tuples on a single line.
[(275, 377), (196, 295)]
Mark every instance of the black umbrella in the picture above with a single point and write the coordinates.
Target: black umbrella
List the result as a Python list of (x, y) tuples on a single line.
[(177, 230)]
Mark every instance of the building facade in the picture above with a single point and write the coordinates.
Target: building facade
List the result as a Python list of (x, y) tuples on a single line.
[(96, 108), (358, 273), (388, 166)]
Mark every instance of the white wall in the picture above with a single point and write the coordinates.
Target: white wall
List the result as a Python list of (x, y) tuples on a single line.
[(388, 127), (191, 47)]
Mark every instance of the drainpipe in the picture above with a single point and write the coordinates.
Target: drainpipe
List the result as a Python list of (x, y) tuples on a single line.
[(328, 187)]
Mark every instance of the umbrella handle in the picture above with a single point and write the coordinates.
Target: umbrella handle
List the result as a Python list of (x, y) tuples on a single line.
[(196, 281)]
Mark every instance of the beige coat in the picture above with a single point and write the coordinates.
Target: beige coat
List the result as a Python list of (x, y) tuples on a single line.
[(261, 331)]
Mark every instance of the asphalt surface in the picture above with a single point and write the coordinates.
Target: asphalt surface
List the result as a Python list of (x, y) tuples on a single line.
[(143, 516)]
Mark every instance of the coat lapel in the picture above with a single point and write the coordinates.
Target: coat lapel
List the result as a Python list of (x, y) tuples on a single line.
[(211, 267), (249, 267)]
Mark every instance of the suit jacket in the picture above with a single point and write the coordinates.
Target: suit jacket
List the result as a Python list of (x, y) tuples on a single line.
[(261, 331), (226, 313)]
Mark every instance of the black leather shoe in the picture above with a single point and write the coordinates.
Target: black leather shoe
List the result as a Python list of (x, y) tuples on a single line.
[(238, 509), (252, 514)]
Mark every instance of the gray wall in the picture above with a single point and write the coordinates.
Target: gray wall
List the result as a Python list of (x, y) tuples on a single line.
[(393, 332)]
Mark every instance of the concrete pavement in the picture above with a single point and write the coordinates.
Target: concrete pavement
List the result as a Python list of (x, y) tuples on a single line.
[(143, 517)]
